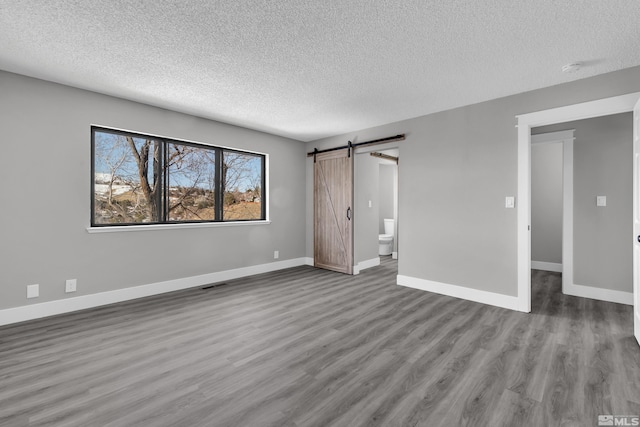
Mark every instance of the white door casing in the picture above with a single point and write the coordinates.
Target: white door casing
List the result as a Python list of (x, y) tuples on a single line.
[(636, 221)]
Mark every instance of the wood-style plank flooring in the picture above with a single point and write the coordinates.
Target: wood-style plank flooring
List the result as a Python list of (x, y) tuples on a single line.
[(308, 347)]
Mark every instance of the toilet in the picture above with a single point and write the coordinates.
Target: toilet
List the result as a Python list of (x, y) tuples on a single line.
[(385, 240)]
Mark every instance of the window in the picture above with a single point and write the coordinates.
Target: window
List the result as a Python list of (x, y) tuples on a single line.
[(141, 179)]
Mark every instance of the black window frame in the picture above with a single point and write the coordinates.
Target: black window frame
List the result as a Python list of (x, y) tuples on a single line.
[(163, 194)]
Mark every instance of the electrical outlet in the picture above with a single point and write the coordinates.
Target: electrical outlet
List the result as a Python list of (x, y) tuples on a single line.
[(33, 291), (276, 254), (70, 286)]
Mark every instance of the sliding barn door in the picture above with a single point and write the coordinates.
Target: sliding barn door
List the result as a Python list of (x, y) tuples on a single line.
[(333, 212)]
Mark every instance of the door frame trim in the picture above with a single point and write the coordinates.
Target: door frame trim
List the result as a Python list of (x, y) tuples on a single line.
[(585, 110)]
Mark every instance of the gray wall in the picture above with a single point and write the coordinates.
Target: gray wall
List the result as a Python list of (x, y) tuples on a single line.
[(603, 166), (45, 210), (546, 202), (386, 190), (457, 167)]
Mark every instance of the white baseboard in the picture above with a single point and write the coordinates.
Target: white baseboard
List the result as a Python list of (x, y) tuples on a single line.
[(546, 266), (363, 265), (309, 261), (36, 311), (591, 292), (394, 255), (484, 297)]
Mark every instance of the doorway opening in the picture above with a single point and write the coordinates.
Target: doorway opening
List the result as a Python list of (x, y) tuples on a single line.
[(598, 185), (376, 200), (387, 202), (526, 122), (551, 213)]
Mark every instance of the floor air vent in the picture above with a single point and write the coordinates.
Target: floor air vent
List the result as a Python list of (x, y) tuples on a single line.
[(213, 286)]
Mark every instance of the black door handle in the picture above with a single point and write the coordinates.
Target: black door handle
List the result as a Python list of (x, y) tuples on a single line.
[(638, 238), (349, 215)]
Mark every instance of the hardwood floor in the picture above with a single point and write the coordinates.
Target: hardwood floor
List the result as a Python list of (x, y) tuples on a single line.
[(307, 347)]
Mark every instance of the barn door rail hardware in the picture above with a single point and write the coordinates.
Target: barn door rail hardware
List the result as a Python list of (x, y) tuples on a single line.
[(350, 145)]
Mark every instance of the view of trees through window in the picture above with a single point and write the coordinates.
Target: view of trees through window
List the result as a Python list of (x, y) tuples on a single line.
[(242, 185), (146, 180), (191, 183)]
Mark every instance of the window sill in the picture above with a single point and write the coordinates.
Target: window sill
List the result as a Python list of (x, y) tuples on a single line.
[(151, 227)]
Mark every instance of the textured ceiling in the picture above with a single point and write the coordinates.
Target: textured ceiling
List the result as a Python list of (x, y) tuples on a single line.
[(307, 69)]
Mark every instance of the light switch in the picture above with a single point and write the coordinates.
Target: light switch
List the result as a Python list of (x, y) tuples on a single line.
[(33, 291), (370, 203), (510, 202), (601, 200)]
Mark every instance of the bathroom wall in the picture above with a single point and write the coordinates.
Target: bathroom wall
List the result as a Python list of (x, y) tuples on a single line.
[(386, 189)]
